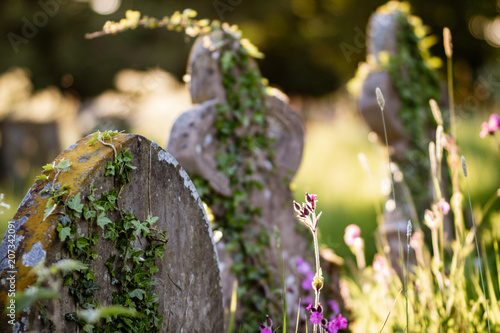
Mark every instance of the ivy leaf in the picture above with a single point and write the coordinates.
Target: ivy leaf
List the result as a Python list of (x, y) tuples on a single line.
[(94, 138), (41, 177), (64, 232), (63, 165), (48, 167), (102, 220), (81, 242), (151, 220), (76, 204), (137, 293)]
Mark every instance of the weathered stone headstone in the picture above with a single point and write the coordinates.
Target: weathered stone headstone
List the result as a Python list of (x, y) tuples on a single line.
[(188, 278), (408, 119), (193, 142)]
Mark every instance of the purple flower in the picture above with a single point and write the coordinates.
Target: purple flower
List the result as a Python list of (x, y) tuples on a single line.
[(341, 321), (332, 326), (307, 282), (266, 330), (316, 317), (303, 267), (352, 232), (309, 307), (335, 307)]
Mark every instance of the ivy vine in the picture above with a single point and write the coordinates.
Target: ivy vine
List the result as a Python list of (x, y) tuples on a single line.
[(131, 271)]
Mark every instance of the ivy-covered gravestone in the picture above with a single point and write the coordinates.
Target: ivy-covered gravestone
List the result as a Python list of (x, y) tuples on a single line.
[(400, 65), (125, 208), (242, 147)]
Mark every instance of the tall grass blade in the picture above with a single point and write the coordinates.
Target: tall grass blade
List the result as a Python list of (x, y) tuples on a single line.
[(381, 103), (390, 311), (464, 169)]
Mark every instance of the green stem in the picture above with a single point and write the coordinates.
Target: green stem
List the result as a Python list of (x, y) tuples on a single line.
[(451, 98)]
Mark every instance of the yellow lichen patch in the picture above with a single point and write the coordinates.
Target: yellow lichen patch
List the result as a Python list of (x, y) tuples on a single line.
[(36, 237)]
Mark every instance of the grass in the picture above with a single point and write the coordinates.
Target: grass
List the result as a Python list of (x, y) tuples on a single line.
[(330, 168)]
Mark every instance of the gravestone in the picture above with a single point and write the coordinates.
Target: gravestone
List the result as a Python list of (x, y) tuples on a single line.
[(193, 142), (188, 279), (408, 120)]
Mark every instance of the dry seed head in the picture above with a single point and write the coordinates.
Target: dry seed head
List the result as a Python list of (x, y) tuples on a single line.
[(439, 143), (380, 98), (408, 232), (436, 112), (432, 157), (464, 166), (448, 46)]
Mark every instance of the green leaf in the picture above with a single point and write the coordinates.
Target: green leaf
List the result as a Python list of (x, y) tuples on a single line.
[(32, 295), (48, 167), (151, 220), (49, 208), (102, 220), (137, 293), (64, 232), (94, 138), (67, 265), (81, 242), (42, 177), (63, 165), (75, 203)]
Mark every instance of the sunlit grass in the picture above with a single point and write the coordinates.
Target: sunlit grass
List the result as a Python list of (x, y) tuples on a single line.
[(331, 169)]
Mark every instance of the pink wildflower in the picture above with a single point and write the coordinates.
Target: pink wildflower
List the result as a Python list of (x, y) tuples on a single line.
[(444, 206), (334, 306), (352, 231), (266, 330), (491, 126), (316, 317), (341, 321)]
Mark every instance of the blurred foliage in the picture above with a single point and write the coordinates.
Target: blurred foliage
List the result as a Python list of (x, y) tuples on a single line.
[(305, 41)]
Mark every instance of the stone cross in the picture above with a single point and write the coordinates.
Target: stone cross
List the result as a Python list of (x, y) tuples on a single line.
[(188, 279)]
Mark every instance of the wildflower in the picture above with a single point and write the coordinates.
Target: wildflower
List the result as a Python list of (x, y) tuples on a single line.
[(267, 326), (341, 321), (307, 282), (336, 324), (491, 126), (302, 266), (309, 307), (444, 206), (316, 317), (334, 306), (352, 232)]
